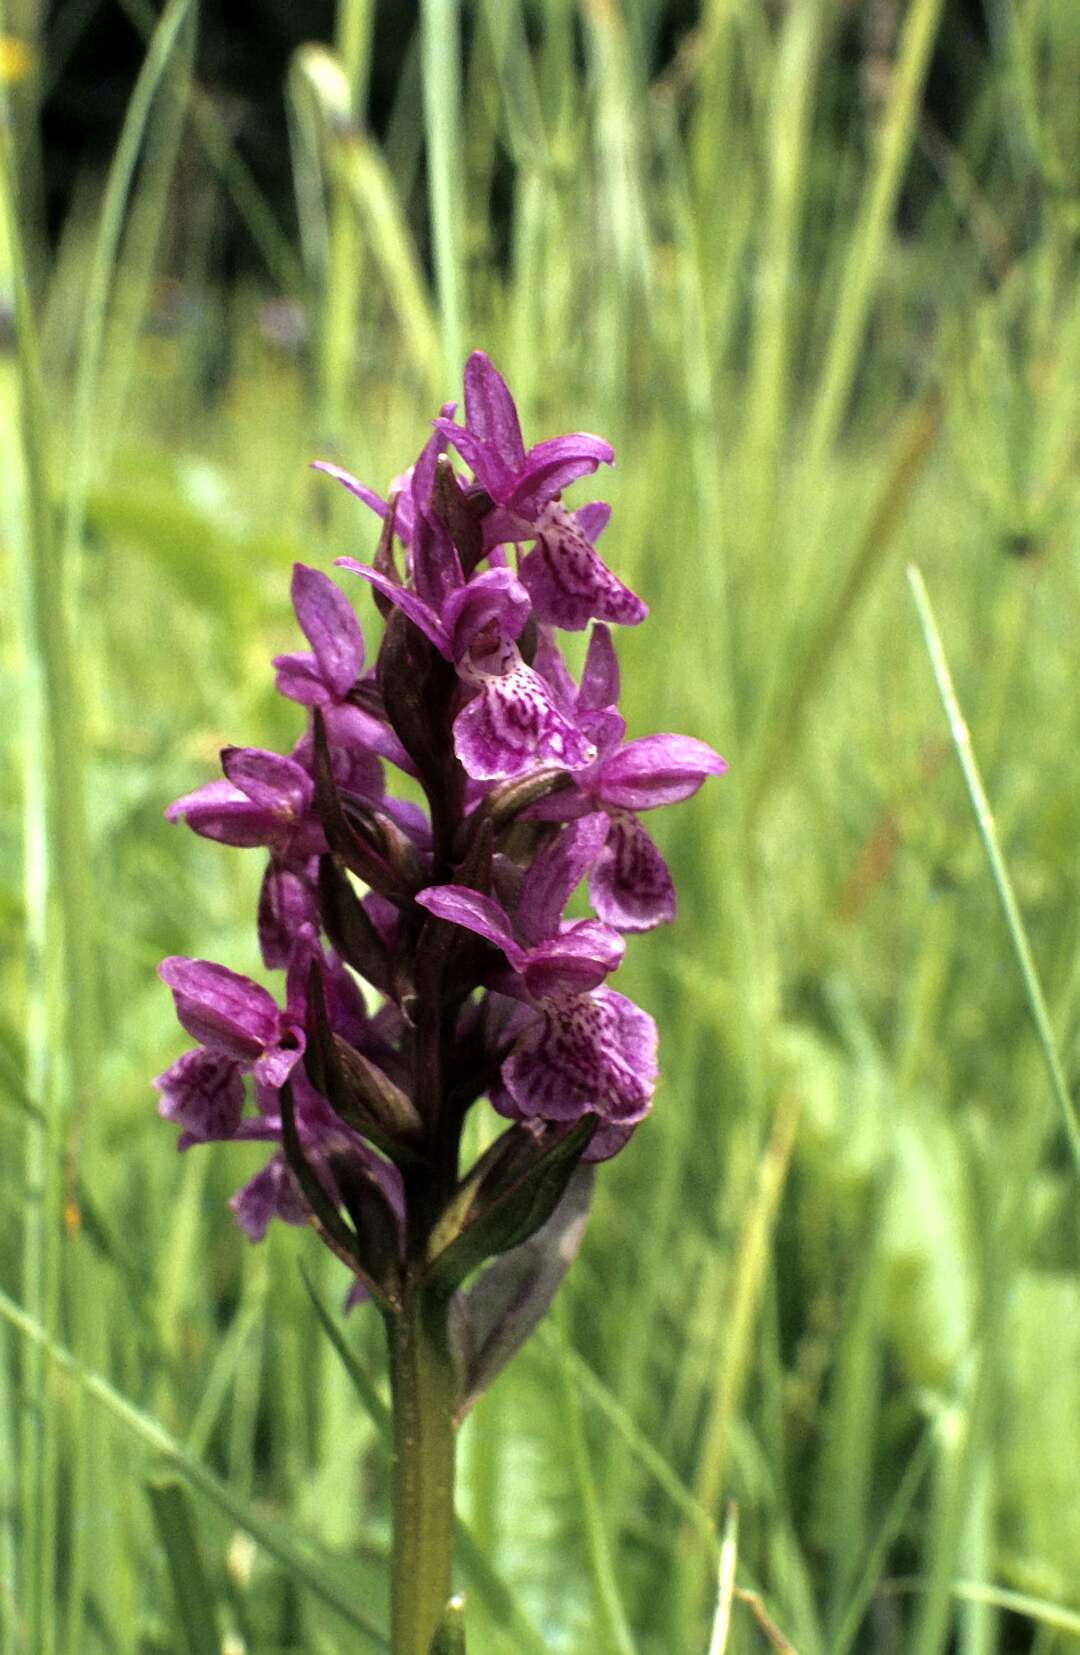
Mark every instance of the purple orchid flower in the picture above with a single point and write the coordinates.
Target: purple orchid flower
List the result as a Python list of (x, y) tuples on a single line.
[(568, 583), (630, 885), (511, 722), (235, 1018), (328, 675), (589, 1050)]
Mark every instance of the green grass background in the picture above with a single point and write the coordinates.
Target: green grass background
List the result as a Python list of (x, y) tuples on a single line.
[(828, 1307)]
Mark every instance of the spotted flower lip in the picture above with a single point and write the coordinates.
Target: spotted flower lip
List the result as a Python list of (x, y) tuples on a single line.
[(568, 582), (589, 1050), (511, 722), (630, 884)]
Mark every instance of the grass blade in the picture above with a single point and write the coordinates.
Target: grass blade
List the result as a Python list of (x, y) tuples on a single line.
[(984, 818), (175, 1521), (441, 49), (285, 1550)]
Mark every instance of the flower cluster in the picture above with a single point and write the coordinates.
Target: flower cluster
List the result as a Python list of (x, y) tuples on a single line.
[(454, 915)]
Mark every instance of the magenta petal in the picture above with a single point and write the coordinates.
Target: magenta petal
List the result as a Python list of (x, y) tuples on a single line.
[(434, 562), (287, 901), (512, 725), (552, 466), (221, 812), (422, 473), (502, 526), (221, 1009), (607, 1141), (549, 663), (596, 1055), (278, 1062), (592, 519), (574, 962), (202, 1092), (490, 471), (353, 484), (555, 874), (656, 770), (270, 780), (272, 1193), (420, 613), (475, 912), (490, 413), (600, 675), (327, 621), (355, 737), (569, 583), (494, 599), (298, 676), (630, 885)]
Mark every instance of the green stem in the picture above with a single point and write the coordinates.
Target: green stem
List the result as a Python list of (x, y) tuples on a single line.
[(424, 1393)]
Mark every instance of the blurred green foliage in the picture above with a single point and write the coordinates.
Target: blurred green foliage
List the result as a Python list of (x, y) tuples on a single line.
[(837, 1277)]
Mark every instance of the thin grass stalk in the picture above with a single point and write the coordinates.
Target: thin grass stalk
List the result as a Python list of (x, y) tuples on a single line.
[(278, 254), (291, 1553), (440, 22), (382, 211), (916, 442), (340, 304), (725, 1583), (738, 1327), (868, 240), (772, 347), (611, 1615), (999, 873), (54, 855), (82, 436), (137, 256), (522, 114)]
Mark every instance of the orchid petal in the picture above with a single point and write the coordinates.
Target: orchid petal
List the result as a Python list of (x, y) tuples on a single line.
[(556, 873), (221, 1009), (489, 469), (592, 519), (270, 780), (630, 885), (287, 901), (512, 725), (600, 675), (574, 962), (272, 1193), (474, 912), (221, 812), (569, 584), (328, 623), (420, 613), (298, 676), (490, 413), (202, 1092), (552, 465), (595, 1056), (656, 770), (494, 598), (353, 484)]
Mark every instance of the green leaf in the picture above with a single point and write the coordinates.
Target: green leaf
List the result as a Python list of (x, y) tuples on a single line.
[(512, 1296), (504, 1218), (284, 1547), (171, 1505)]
